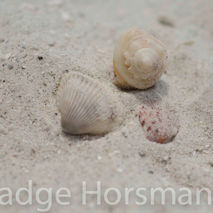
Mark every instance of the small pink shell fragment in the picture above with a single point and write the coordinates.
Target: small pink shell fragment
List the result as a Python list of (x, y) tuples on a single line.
[(160, 123)]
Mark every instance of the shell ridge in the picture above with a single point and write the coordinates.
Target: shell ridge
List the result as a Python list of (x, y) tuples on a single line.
[(72, 96), (82, 111)]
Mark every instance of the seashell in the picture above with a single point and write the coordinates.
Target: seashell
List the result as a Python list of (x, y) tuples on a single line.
[(86, 106), (160, 123), (139, 60)]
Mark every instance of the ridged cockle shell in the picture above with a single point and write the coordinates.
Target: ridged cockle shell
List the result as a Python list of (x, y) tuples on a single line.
[(139, 60), (86, 106)]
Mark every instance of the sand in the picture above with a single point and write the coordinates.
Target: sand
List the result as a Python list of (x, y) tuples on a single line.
[(41, 40)]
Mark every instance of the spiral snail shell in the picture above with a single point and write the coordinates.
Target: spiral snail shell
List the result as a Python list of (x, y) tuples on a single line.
[(86, 106), (139, 60)]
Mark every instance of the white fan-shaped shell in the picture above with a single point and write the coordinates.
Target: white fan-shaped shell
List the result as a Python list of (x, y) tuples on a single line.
[(139, 60), (86, 106)]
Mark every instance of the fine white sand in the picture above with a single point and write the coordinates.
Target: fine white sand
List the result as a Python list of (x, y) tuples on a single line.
[(79, 36)]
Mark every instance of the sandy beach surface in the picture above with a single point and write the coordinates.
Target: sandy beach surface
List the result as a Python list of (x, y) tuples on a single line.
[(42, 40)]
